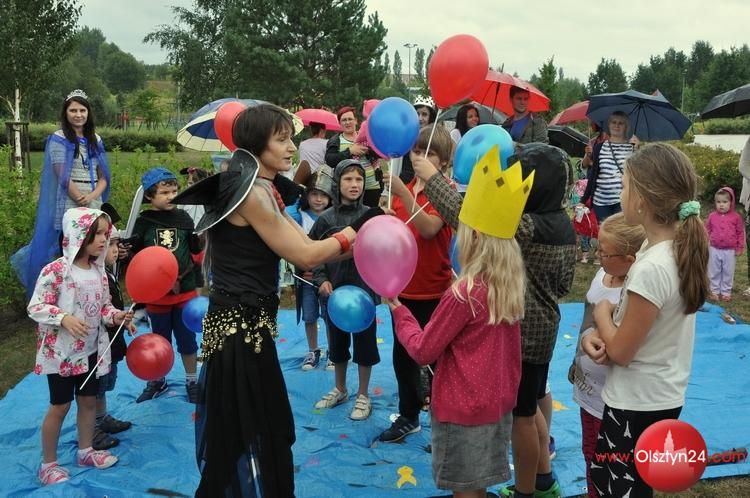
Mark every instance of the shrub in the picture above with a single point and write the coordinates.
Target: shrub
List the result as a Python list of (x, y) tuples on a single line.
[(160, 139), (737, 126), (716, 167)]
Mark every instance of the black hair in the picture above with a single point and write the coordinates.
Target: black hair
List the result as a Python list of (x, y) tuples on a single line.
[(516, 89), (254, 127), (315, 128), (462, 124), (89, 128)]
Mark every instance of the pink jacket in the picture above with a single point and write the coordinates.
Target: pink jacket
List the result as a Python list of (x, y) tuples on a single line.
[(478, 365), (727, 230)]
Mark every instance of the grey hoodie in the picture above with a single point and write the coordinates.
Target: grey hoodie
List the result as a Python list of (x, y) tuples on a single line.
[(332, 220)]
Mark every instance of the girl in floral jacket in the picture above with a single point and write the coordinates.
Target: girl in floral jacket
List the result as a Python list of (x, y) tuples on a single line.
[(71, 304)]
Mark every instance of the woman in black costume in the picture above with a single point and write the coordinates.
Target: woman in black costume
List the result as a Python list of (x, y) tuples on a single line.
[(244, 426)]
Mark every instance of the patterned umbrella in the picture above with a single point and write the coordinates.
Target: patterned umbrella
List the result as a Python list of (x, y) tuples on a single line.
[(199, 133)]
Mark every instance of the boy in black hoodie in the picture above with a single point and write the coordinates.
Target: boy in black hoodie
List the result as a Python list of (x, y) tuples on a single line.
[(347, 190)]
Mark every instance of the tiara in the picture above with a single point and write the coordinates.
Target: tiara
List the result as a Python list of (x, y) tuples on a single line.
[(77, 93), (425, 101)]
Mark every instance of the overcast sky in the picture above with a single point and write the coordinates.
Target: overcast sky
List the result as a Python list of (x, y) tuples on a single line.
[(520, 35)]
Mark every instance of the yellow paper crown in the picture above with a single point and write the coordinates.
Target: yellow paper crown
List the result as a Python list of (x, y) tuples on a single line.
[(495, 198)]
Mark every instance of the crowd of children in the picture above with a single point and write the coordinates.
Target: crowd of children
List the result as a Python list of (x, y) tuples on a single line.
[(488, 331)]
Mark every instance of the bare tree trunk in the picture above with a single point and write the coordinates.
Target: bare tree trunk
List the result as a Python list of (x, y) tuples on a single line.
[(17, 135)]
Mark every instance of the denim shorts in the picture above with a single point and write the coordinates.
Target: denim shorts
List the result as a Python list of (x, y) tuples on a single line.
[(470, 457), (107, 382), (310, 304)]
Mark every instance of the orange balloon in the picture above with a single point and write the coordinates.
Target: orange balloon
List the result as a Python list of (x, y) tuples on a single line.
[(224, 120), (151, 274), (457, 68)]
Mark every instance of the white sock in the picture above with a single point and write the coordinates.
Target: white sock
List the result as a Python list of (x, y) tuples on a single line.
[(45, 466), (191, 378), (82, 453)]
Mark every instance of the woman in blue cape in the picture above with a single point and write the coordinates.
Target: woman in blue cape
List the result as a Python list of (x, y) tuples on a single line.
[(75, 173)]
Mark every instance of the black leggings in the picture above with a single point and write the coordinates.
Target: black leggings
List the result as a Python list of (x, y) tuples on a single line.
[(407, 370)]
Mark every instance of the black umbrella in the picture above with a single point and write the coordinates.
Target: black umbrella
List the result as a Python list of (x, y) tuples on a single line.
[(568, 139), (729, 104), (487, 115), (651, 117)]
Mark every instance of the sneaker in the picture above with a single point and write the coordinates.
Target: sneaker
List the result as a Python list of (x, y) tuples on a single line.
[(98, 459), (399, 429), (111, 425), (553, 492), (362, 408), (312, 358), (330, 365), (140, 317), (154, 389), (53, 474), (332, 398), (552, 452), (193, 392), (103, 441)]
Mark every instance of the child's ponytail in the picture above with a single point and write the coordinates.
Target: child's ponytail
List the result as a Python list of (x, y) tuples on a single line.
[(691, 253), (665, 179)]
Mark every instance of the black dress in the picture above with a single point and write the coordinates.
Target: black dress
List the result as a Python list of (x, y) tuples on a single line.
[(244, 425)]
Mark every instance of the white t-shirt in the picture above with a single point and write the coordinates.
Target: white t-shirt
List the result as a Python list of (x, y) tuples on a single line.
[(590, 376), (456, 135), (657, 377), (313, 150), (88, 303)]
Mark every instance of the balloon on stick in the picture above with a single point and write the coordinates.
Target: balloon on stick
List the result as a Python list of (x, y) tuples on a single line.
[(351, 309), (475, 144), (193, 313), (151, 274), (385, 255), (150, 357), (457, 68), (224, 122), (393, 126)]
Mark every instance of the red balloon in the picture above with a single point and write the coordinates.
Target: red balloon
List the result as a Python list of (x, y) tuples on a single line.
[(150, 357), (457, 68), (224, 122), (151, 274)]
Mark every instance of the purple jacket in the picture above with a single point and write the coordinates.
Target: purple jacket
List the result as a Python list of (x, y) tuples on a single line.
[(727, 230)]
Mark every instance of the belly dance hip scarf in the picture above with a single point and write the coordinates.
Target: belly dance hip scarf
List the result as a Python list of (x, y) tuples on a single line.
[(228, 314)]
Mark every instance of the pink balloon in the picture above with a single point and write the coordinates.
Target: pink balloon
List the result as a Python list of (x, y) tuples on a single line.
[(363, 137), (385, 253)]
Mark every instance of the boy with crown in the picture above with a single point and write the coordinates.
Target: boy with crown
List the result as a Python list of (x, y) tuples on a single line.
[(546, 237), (474, 334)]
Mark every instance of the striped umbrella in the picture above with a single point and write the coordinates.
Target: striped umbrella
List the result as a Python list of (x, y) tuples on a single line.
[(199, 133)]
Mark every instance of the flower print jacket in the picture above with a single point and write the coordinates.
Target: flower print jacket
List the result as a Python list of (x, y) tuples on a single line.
[(57, 350)]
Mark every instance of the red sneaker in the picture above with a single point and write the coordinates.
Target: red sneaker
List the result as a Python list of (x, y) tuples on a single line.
[(101, 459), (53, 474)]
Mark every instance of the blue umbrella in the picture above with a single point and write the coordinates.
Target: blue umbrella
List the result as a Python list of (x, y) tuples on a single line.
[(651, 117), (199, 133)]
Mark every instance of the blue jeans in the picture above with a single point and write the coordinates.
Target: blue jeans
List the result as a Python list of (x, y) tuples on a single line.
[(604, 212)]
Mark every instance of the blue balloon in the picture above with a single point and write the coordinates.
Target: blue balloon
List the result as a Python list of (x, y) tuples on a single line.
[(454, 254), (193, 313), (393, 126), (351, 309), (475, 144)]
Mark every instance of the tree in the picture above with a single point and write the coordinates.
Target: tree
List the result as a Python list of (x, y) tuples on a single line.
[(89, 40), (35, 36), (398, 81), (291, 52), (727, 70), (568, 91), (608, 78), (145, 105), (644, 79), (699, 61), (419, 67), (121, 71), (546, 81), (387, 68)]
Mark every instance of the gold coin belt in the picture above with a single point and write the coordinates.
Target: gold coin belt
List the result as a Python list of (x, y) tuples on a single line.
[(220, 324)]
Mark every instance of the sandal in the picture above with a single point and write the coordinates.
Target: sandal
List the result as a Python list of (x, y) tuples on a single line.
[(728, 318), (103, 441), (746, 292)]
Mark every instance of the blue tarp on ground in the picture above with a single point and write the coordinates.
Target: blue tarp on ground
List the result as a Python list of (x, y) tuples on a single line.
[(334, 456)]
